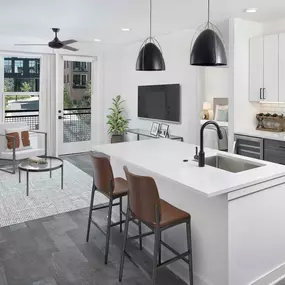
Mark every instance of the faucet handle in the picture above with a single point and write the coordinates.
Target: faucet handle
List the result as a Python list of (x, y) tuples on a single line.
[(196, 156)]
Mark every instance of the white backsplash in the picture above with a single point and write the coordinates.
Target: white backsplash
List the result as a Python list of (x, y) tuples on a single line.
[(278, 108)]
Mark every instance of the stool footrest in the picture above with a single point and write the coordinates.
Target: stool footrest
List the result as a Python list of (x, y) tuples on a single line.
[(103, 206), (141, 236), (174, 251), (176, 258)]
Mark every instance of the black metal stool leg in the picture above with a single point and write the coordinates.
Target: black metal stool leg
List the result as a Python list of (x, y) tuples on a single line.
[(90, 212), (189, 243), (159, 250), (140, 233), (108, 229), (155, 255), (157, 233), (121, 215), (124, 245)]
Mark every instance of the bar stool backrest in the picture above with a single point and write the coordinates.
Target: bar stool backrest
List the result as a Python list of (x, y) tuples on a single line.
[(103, 177), (144, 199)]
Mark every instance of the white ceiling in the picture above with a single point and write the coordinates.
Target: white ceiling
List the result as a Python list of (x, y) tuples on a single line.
[(88, 19)]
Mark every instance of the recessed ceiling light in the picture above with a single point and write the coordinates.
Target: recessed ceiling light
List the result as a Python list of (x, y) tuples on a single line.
[(251, 10), (125, 29), (97, 40)]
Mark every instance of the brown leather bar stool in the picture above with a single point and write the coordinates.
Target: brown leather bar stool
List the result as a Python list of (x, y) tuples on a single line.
[(113, 189), (145, 205)]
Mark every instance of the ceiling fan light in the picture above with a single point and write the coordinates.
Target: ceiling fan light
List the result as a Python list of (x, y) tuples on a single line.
[(208, 50), (150, 58)]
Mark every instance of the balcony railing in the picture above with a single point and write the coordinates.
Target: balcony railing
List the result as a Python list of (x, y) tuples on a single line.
[(76, 122), (31, 117)]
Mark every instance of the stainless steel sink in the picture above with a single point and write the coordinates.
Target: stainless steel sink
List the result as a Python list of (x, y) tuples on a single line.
[(231, 164)]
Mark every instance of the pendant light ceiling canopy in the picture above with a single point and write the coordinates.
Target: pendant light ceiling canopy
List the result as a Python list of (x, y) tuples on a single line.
[(150, 57), (208, 49)]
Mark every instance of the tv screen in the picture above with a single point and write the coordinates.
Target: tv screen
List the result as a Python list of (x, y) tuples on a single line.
[(161, 102)]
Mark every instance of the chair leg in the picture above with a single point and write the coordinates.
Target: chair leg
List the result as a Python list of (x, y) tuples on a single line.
[(189, 243), (155, 254), (90, 212), (140, 233), (108, 229), (14, 166), (124, 245), (121, 216), (159, 250)]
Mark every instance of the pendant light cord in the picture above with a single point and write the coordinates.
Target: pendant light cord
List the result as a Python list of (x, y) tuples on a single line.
[(208, 23), (150, 18)]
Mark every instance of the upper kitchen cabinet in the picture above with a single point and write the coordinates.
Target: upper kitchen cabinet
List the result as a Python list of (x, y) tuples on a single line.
[(264, 69), (256, 69), (282, 67), (270, 69)]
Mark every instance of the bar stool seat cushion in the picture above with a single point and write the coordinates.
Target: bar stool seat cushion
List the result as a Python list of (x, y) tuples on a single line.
[(120, 187), (170, 215)]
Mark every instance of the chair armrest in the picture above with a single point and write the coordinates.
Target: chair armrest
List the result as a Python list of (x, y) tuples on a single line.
[(37, 132), (42, 133), (8, 136)]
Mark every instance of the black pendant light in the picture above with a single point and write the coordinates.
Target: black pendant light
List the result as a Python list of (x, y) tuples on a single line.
[(208, 49), (150, 56)]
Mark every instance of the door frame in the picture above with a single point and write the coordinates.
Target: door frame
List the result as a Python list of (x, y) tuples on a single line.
[(74, 147)]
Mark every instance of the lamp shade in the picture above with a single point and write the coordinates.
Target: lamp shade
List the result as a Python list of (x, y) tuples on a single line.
[(208, 50), (150, 58), (207, 106)]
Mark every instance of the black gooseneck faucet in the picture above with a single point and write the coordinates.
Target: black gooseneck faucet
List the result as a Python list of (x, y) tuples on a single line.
[(201, 157)]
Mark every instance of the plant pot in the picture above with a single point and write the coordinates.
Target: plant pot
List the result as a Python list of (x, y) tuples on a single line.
[(117, 138)]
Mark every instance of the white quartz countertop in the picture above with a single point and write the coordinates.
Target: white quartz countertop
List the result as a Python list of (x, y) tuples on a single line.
[(263, 134), (165, 158)]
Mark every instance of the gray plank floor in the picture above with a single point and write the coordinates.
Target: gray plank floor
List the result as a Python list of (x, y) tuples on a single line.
[(53, 251)]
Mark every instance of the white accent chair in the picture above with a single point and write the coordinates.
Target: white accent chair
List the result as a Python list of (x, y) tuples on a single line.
[(38, 145)]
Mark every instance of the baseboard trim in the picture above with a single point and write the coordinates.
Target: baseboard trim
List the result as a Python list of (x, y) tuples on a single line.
[(272, 277)]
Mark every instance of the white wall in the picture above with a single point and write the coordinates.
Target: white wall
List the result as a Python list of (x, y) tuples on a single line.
[(216, 83), (244, 111), (274, 27), (120, 71)]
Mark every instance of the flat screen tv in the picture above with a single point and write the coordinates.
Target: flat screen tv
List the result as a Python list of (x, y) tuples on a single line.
[(160, 102)]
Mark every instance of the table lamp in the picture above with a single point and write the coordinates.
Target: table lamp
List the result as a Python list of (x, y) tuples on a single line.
[(206, 107)]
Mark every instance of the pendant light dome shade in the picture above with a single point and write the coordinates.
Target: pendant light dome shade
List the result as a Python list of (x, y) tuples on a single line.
[(208, 50), (150, 58)]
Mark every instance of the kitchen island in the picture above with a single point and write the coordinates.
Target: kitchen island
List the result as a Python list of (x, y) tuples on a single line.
[(238, 233)]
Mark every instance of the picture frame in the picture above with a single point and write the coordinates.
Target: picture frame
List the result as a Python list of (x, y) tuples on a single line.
[(164, 130), (154, 129)]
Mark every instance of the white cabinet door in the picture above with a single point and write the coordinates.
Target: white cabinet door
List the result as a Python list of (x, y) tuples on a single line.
[(256, 69), (282, 67), (271, 72)]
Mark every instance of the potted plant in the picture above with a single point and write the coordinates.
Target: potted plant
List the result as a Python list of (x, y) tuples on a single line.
[(116, 121)]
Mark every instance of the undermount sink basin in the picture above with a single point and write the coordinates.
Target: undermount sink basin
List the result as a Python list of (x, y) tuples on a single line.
[(231, 164)]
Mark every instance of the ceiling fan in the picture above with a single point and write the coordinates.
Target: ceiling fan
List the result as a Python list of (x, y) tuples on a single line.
[(55, 43)]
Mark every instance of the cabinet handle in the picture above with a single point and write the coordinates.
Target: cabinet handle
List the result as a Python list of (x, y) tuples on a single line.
[(264, 93), (280, 146), (260, 96)]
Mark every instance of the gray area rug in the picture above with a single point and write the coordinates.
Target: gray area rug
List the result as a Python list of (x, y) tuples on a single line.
[(46, 197)]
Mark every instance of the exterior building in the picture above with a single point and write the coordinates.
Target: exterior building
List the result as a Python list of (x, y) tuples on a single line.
[(77, 75), (18, 71)]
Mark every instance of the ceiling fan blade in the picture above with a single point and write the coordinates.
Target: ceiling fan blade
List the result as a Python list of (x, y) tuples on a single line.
[(68, 42), (30, 44), (69, 48)]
